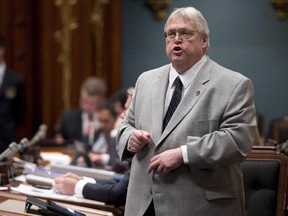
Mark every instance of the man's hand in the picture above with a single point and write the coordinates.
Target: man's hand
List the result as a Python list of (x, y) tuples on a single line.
[(138, 140), (95, 158), (72, 175), (65, 184), (166, 161)]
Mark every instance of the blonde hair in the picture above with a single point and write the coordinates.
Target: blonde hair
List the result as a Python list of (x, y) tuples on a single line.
[(191, 15)]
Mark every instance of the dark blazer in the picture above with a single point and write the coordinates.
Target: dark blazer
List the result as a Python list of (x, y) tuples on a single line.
[(11, 107), (116, 164), (71, 130), (71, 125), (110, 191)]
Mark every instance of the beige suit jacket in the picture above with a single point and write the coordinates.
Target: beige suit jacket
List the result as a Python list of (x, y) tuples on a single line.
[(215, 120)]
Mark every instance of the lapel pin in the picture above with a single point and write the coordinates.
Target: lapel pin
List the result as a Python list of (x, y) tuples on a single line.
[(197, 93)]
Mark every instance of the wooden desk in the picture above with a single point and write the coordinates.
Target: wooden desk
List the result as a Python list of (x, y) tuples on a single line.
[(92, 208), (13, 204)]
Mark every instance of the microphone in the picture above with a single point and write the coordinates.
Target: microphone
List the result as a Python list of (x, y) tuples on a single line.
[(18, 148), (22, 143), (39, 135), (5, 155), (13, 149)]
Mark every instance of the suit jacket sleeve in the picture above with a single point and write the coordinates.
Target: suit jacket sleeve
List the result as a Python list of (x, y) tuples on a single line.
[(110, 191)]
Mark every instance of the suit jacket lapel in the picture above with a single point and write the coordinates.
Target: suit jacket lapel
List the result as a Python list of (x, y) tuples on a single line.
[(195, 91), (158, 100)]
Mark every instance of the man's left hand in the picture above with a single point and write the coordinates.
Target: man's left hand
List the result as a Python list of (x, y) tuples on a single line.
[(166, 161)]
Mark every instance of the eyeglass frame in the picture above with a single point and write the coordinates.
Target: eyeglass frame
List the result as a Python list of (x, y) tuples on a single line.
[(181, 32)]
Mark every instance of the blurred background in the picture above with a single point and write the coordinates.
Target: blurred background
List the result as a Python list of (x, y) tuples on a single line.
[(56, 44)]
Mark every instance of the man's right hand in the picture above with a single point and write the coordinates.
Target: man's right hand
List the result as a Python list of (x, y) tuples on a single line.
[(65, 185), (138, 140)]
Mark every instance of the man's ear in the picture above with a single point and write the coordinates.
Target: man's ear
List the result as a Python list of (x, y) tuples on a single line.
[(205, 43)]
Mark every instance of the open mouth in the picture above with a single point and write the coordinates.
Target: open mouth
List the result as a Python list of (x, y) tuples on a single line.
[(177, 49)]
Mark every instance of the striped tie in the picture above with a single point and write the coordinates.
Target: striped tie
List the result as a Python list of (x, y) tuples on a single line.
[(176, 98)]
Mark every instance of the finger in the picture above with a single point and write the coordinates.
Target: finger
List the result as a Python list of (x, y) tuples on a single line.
[(146, 134), (57, 180), (144, 137), (154, 158), (131, 149), (152, 167), (166, 170), (160, 169), (68, 174), (56, 188), (134, 146)]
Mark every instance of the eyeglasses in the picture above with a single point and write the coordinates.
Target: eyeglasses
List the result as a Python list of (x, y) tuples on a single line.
[(183, 34)]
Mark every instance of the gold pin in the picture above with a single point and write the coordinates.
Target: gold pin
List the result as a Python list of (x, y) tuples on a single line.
[(197, 93)]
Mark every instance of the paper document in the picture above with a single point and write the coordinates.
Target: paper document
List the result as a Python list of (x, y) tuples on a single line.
[(3, 188), (56, 158), (51, 194)]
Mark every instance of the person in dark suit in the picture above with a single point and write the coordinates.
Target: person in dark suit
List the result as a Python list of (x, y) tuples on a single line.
[(80, 123), (119, 99), (108, 160), (12, 104), (189, 164), (111, 191)]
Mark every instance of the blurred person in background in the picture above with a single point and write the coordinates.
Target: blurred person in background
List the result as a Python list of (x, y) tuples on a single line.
[(111, 191), (12, 104), (80, 123), (119, 99)]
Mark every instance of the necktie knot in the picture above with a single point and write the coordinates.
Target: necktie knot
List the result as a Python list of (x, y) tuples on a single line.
[(178, 84)]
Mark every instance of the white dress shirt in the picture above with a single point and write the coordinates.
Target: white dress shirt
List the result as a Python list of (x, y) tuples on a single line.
[(186, 79)]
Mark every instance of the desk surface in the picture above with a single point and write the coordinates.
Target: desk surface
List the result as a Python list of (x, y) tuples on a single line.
[(92, 208), (14, 204)]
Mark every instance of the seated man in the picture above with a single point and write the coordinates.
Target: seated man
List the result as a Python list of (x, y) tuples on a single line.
[(80, 123), (112, 191), (107, 119)]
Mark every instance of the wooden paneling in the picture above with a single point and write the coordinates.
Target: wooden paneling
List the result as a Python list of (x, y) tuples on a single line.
[(34, 51), (16, 22)]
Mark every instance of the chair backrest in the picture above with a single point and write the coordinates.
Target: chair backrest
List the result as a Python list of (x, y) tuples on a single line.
[(265, 182), (280, 130)]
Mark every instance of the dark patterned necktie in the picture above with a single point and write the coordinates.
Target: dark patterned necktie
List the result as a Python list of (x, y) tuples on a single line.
[(176, 98)]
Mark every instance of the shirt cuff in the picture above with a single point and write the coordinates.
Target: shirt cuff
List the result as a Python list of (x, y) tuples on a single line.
[(89, 180), (185, 154), (78, 190), (105, 158)]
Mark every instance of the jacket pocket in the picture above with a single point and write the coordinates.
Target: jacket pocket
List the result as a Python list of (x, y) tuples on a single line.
[(220, 193)]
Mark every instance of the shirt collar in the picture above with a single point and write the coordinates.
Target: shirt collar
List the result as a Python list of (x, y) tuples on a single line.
[(187, 76), (85, 116)]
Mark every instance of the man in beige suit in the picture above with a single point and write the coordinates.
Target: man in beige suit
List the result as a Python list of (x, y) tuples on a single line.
[(191, 166)]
